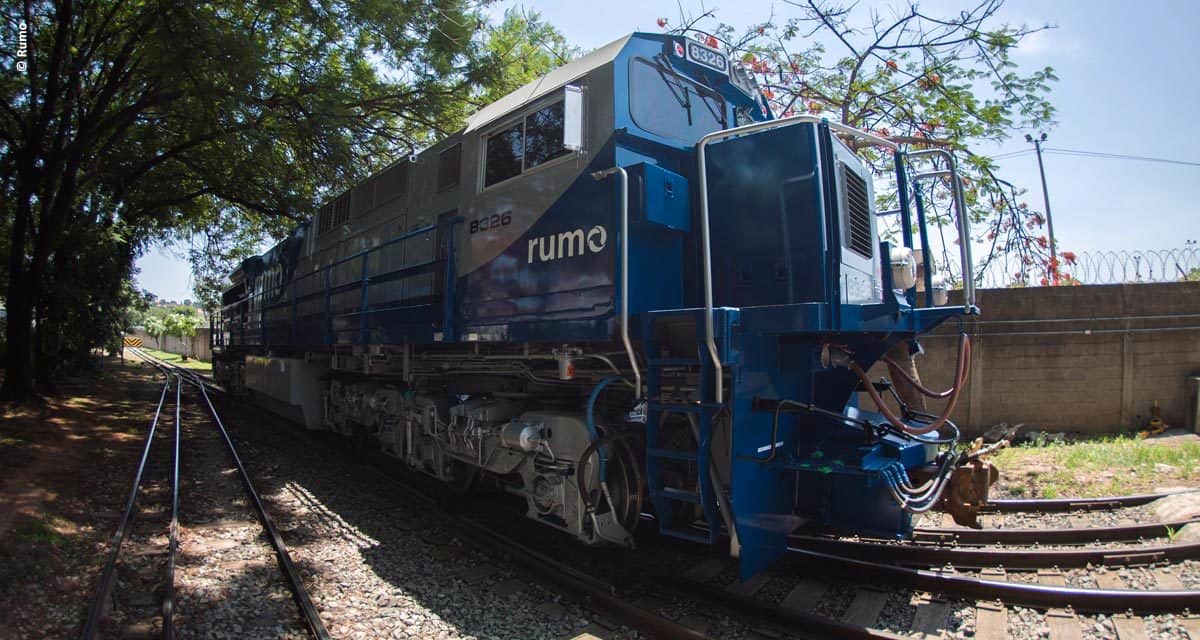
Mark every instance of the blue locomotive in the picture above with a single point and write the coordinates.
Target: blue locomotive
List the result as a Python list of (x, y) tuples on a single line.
[(623, 290)]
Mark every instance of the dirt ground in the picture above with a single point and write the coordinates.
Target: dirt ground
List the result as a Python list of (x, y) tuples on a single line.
[(67, 464)]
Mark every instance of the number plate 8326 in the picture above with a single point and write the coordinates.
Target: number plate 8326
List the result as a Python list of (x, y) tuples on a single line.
[(702, 55)]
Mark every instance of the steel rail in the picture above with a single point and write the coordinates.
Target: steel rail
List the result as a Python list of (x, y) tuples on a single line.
[(1075, 504), (108, 573), (299, 593), (308, 610), (980, 557), (1017, 593), (168, 605), (1082, 535)]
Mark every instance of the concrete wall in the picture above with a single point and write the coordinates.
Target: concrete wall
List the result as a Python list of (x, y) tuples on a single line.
[(1090, 359), (196, 346)]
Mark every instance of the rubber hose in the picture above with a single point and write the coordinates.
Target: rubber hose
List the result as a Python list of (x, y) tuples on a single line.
[(959, 380)]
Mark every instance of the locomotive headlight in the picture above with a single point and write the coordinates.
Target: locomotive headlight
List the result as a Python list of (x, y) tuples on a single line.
[(904, 268), (941, 288)]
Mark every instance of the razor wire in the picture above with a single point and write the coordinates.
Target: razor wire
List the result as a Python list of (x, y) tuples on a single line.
[(1128, 266)]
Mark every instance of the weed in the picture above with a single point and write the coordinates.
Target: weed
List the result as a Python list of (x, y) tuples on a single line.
[(39, 532), (1109, 465)]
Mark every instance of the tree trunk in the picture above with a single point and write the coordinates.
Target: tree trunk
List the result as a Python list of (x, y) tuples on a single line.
[(18, 365)]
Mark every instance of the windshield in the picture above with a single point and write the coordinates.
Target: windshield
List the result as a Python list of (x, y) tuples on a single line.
[(671, 105)]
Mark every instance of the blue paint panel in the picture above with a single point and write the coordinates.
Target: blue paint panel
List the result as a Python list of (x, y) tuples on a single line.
[(562, 269), (767, 218), (658, 215), (658, 196)]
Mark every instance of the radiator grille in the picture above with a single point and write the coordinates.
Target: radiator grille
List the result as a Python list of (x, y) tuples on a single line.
[(858, 214)]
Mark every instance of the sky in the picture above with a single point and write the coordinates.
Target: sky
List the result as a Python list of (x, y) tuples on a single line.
[(1129, 83)]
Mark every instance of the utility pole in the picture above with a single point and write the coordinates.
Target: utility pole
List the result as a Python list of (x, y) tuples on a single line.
[(1037, 144)]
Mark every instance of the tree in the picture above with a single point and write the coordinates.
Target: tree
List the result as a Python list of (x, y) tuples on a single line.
[(182, 324), (156, 327), (517, 50), (923, 81), (134, 119)]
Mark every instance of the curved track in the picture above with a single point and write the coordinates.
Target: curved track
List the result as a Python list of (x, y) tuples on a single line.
[(108, 576)]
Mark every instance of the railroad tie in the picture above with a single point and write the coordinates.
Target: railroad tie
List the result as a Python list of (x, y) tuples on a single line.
[(1192, 626), (1110, 580), (1129, 627), (806, 594), (1168, 581), (931, 617), (1063, 623), (864, 610), (991, 617), (751, 586)]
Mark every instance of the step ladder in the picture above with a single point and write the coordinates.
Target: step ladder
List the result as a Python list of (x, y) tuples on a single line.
[(660, 453)]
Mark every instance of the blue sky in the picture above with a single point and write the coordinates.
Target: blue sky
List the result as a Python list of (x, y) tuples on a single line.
[(1129, 84)]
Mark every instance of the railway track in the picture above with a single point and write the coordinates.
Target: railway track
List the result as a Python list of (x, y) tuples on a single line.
[(151, 606), (941, 579), (1056, 505)]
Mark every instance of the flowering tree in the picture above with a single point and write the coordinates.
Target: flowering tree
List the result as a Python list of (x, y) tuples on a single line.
[(156, 328), (921, 80), (183, 324)]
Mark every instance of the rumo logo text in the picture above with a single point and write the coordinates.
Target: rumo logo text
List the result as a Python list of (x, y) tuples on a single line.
[(567, 244)]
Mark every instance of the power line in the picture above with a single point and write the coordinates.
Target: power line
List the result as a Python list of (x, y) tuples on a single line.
[(1118, 156), (1094, 154), (1011, 154)]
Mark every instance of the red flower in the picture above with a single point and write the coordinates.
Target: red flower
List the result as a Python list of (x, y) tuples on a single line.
[(1045, 282), (1069, 256), (662, 23), (768, 94), (891, 64)]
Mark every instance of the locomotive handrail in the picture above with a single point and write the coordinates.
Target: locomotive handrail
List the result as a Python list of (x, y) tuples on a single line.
[(706, 245), (329, 289), (637, 374), (964, 222)]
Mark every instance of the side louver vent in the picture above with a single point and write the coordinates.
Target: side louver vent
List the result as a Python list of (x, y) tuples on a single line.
[(858, 214)]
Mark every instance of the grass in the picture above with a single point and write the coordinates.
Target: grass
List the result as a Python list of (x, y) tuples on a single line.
[(176, 359), (1111, 465), (36, 531)]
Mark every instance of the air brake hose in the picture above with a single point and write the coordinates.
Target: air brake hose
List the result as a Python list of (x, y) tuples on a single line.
[(896, 368), (960, 378)]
